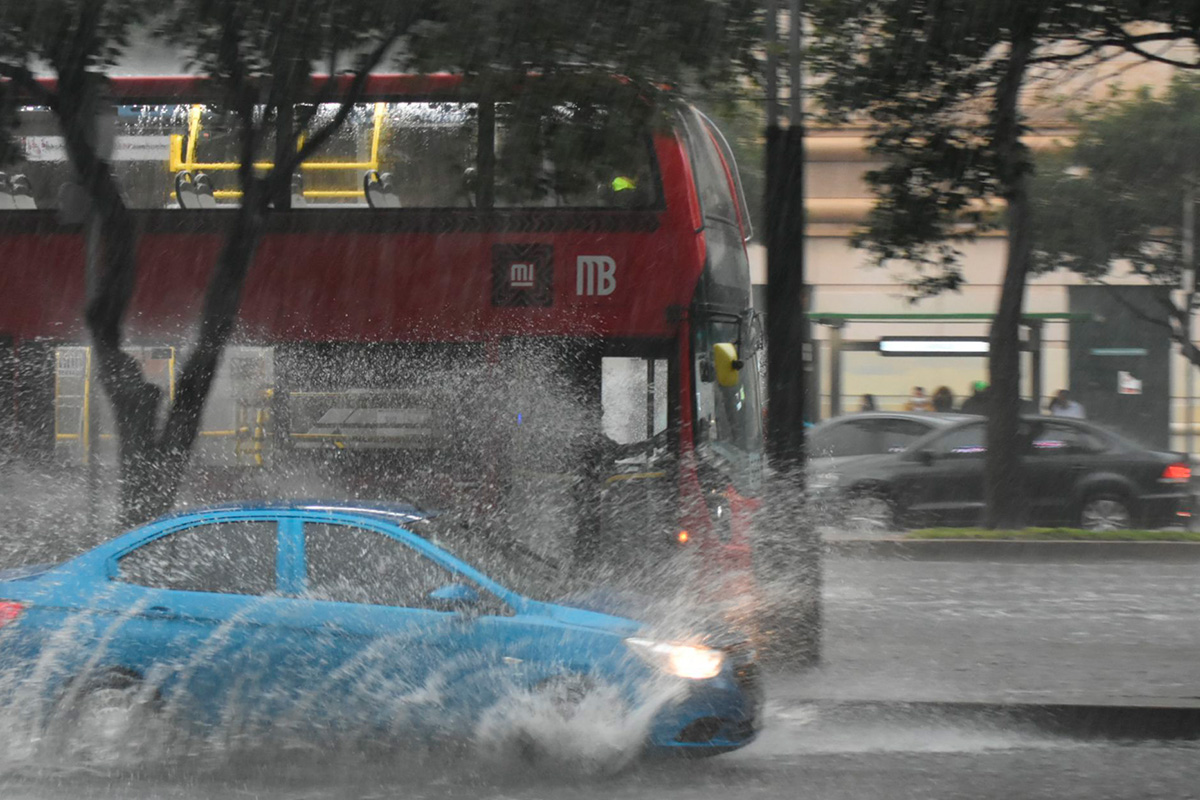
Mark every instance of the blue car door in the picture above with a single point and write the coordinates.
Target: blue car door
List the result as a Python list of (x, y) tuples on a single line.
[(375, 648), (196, 614)]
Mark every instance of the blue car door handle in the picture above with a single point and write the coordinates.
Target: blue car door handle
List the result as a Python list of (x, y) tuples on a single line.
[(157, 611)]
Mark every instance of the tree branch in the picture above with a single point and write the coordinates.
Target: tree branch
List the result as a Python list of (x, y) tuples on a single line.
[(1114, 293), (1175, 324), (1119, 37), (352, 95), (25, 79)]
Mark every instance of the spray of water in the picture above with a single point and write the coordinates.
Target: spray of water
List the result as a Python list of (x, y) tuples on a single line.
[(505, 455)]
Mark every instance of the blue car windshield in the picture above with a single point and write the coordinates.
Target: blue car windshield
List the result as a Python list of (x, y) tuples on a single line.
[(497, 554)]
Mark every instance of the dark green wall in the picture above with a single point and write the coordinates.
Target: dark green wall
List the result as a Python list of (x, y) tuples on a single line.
[(1120, 338)]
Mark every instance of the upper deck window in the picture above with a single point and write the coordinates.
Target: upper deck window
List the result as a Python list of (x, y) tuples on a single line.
[(418, 154), (573, 155)]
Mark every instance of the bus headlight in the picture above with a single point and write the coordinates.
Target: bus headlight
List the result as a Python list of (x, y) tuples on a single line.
[(684, 660)]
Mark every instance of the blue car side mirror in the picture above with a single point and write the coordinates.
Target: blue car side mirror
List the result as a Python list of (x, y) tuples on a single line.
[(454, 596)]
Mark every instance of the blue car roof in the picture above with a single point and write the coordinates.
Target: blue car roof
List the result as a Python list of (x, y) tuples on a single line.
[(373, 508)]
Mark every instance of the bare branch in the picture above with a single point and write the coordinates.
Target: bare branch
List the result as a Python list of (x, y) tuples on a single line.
[(1059, 58), (1119, 37), (1114, 293), (351, 96), (1175, 324)]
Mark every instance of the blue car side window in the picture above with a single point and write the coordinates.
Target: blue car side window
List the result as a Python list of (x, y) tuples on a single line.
[(347, 564), (235, 557)]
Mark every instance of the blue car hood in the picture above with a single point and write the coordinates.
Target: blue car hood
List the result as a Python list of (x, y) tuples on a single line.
[(629, 605), (626, 607), (584, 618)]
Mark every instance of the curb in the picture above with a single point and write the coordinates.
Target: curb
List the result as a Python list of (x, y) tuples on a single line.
[(1077, 720), (1014, 550)]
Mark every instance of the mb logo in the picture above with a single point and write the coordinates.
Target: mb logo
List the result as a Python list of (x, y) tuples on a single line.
[(595, 275)]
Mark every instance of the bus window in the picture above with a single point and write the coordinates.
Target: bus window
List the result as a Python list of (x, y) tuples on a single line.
[(731, 163), (43, 157), (627, 392), (712, 182), (425, 153), (573, 155), (410, 154)]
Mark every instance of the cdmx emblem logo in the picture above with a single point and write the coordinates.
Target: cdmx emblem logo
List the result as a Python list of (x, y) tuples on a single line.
[(520, 276)]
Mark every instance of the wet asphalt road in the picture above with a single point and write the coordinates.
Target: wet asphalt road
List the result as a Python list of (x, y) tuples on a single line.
[(1096, 632), (898, 768), (1099, 632)]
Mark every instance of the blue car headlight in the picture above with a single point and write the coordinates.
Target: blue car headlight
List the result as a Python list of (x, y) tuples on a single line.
[(695, 662)]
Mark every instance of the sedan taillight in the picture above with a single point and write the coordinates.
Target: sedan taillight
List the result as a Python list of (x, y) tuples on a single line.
[(1177, 473), (9, 611)]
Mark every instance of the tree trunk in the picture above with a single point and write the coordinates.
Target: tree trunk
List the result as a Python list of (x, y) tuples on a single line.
[(151, 485), (1004, 485), (1004, 489)]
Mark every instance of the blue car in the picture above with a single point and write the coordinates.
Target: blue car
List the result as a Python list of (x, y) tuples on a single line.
[(349, 616)]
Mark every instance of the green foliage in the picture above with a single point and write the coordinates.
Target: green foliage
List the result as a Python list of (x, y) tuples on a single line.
[(693, 42), (926, 75), (70, 35), (1115, 196), (281, 40), (75, 39)]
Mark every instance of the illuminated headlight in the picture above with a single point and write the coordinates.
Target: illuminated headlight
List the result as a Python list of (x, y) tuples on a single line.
[(685, 660)]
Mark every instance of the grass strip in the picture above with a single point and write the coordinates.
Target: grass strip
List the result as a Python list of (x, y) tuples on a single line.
[(1056, 535)]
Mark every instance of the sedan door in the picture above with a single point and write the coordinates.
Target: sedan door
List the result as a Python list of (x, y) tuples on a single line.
[(1059, 455), (194, 611), (943, 482), (371, 645)]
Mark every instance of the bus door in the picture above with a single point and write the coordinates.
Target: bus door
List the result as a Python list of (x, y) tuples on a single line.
[(639, 524), (84, 427), (589, 473)]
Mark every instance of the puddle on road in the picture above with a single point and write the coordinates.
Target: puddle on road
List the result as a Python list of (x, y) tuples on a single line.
[(830, 729)]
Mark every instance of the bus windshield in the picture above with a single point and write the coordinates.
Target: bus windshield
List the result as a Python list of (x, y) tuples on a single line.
[(728, 423)]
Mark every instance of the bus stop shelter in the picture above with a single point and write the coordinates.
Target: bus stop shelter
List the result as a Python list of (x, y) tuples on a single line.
[(927, 346)]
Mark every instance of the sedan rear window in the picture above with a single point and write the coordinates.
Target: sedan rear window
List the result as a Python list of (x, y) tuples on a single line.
[(225, 558), (847, 439), (967, 441), (1057, 437)]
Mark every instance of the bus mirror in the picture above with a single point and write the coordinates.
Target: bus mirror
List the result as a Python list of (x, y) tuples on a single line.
[(725, 358)]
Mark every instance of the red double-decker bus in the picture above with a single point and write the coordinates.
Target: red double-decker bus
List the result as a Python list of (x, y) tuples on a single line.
[(538, 310)]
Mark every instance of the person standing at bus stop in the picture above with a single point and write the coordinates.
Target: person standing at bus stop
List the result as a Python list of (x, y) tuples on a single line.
[(943, 400), (918, 401), (977, 403), (1063, 406)]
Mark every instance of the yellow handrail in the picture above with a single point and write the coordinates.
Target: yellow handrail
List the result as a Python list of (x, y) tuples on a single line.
[(178, 161)]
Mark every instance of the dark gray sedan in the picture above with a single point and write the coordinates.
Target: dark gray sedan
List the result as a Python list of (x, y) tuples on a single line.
[(1075, 473)]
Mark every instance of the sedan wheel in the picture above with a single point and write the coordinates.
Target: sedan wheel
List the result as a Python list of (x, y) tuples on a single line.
[(1105, 513), (108, 722)]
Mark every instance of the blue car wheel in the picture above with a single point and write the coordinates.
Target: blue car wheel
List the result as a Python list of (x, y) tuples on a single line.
[(99, 718)]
